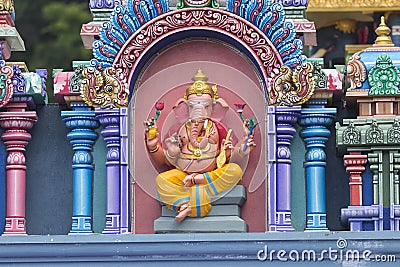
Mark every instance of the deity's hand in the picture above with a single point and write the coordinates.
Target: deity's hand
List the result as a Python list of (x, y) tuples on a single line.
[(193, 179), (151, 135), (173, 145), (246, 145), (227, 144)]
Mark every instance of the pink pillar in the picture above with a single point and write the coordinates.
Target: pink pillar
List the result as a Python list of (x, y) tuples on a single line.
[(355, 166), (16, 121)]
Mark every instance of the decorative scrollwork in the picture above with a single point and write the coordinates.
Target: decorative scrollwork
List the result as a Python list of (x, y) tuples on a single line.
[(212, 19), (356, 72), (384, 77), (374, 135), (7, 5), (269, 16), (103, 89), (98, 4), (296, 3), (319, 76), (292, 88), (197, 3), (351, 135), (18, 80), (124, 21), (6, 85), (76, 80), (394, 132)]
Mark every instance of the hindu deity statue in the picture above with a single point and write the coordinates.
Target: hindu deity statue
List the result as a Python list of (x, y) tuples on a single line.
[(201, 152)]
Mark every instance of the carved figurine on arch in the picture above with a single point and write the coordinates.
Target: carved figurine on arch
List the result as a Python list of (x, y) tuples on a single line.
[(201, 151)]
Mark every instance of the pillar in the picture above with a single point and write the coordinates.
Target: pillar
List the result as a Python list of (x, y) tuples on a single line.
[(16, 121), (110, 119), (124, 172), (355, 166), (82, 121), (285, 118), (314, 119)]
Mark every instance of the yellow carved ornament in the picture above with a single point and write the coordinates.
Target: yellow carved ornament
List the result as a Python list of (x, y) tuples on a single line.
[(7, 5), (359, 4), (200, 86)]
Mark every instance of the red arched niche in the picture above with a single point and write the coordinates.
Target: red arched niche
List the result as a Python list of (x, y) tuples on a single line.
[(166, 79)]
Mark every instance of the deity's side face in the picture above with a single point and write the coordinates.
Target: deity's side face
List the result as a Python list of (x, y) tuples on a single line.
[(200, 107)]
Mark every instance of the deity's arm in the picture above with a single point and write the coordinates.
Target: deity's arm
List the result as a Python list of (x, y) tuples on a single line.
[(156, 151)]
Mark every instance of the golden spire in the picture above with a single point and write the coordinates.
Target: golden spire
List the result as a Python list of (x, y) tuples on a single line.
[(200, 86), (383, 33), (200, 76)]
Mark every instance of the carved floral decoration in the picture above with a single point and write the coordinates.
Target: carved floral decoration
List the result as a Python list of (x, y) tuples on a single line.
[(6, 85), (320, 78), (384, 77), (262, 29), (7, 5), (393, 133), (356, 72), (102, 89), (351, 135), (292, 88), (374, 134), (76, 80), (99, 4), (197, 3)]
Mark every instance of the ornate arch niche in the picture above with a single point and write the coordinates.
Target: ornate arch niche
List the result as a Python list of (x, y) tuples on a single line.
[(132, 45), (166, 79)]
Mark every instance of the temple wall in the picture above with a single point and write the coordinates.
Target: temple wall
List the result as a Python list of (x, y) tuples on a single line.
[(49, 182)]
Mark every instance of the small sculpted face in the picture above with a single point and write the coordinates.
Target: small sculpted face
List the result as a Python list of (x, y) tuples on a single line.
[(200, 107)]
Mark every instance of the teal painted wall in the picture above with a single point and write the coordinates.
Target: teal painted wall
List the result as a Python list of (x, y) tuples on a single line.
[(298, 194), (99, 184), (49, 177)]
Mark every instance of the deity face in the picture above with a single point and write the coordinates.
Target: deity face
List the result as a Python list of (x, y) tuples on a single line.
[(200, 107)]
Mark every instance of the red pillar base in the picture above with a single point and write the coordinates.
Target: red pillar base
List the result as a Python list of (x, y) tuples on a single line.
[(15, 226)]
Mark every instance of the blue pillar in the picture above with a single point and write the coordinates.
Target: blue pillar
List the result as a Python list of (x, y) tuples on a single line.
[(82, 121), (314, 119)]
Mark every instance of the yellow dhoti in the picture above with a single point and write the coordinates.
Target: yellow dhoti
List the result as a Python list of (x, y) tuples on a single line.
[(172, 192)]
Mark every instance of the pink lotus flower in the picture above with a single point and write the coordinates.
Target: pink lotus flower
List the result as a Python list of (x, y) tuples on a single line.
[(159, 105), (240, 106)]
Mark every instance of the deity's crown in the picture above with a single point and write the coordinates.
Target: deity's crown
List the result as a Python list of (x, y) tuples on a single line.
[(200, 86)]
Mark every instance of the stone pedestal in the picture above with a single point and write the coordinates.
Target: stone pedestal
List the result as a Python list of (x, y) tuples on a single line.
[(223, 217)]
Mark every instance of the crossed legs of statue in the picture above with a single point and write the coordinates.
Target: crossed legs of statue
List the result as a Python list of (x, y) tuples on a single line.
[(195, 201)]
